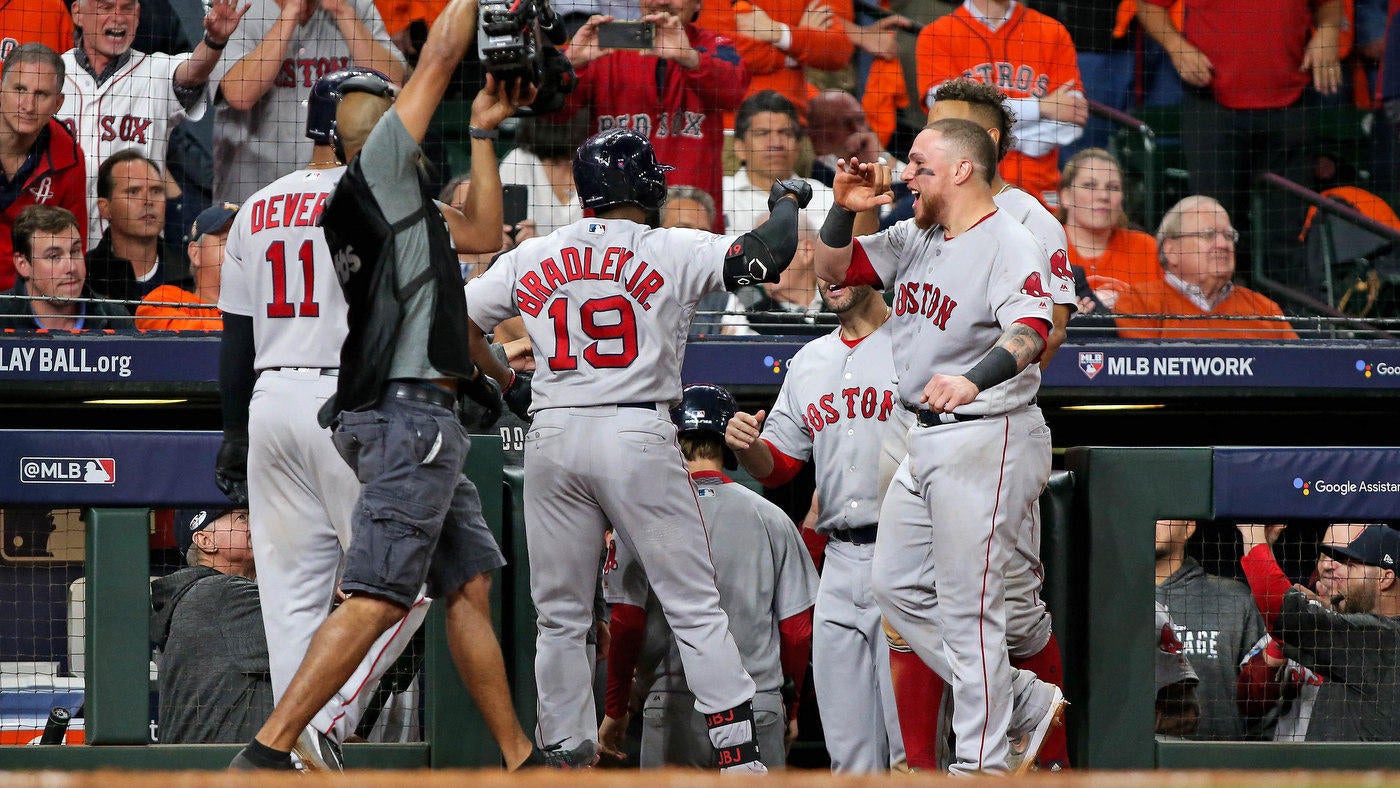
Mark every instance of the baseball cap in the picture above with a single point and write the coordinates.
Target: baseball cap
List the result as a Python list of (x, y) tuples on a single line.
[(1376, 545), (212, 220), (190, 521)]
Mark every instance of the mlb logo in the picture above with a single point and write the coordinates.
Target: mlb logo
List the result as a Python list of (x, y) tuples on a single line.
[(596, 228), (67, 470), (1090, 362), (706, 492)]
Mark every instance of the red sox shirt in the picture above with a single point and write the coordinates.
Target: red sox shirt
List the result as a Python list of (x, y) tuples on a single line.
[(136, 107), (681, 110), (953, 299)]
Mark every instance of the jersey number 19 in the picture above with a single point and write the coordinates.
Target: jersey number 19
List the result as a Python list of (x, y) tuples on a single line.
[(625, 329)]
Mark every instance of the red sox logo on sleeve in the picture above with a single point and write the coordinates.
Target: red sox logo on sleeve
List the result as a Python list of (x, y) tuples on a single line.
[(1033, 287), (1059, 266)]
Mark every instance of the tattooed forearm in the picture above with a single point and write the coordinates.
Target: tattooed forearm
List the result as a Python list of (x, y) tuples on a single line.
[(1023, 343)]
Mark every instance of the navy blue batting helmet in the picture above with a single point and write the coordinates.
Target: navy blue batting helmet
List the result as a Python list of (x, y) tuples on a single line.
[(327, 93), (706, 410), (619, 167)]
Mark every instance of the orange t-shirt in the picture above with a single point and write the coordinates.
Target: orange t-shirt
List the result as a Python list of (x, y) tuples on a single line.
[(1131, 257), (1364, 202), (1029, 56), (398, 14), (828, 49), (1160, 298), (44, 21), (200, 315)]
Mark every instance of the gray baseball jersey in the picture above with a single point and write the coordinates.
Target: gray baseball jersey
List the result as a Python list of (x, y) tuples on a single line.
[(953, 298), (278, 271), (135, 107), (763, 572), (607, 304), (838, 407), (1049, 232), (262, 143)]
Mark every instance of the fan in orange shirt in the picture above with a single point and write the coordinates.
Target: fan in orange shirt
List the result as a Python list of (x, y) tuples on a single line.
[(206, 253), (1031, 58), (1112, 256), (43, 21), (778, 39), (1196, 298)]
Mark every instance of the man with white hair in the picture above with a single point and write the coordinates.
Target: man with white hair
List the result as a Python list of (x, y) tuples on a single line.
[(1196, 246)]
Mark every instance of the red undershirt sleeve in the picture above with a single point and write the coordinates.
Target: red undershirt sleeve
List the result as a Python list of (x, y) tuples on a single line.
[(784, 467), (627, 625), (794, 649)]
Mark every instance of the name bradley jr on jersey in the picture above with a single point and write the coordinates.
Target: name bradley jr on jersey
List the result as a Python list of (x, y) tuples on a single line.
[(537, 286)]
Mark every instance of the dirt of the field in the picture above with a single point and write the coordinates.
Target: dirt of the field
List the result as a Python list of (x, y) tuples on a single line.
[(677, 779)]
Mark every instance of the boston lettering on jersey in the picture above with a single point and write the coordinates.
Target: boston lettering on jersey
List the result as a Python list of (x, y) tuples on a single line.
[(1009, 77), (931, 303), (865, 403), (537, 286), (308, 70), (298, 209)]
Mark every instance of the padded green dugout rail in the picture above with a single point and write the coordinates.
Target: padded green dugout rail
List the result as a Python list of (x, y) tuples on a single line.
[(117, 693), (1119, 493)]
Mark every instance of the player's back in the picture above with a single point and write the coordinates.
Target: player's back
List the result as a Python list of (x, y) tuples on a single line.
[(607, 304), (278, 270)]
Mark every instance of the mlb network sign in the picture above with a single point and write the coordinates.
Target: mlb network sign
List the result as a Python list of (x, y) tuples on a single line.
[(67, 470)]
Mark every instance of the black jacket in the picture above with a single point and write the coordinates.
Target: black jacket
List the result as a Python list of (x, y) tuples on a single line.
[(16, 312)]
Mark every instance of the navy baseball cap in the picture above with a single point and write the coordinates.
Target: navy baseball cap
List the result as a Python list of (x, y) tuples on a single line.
[(213, 219), (1376, 545), (190, 521)]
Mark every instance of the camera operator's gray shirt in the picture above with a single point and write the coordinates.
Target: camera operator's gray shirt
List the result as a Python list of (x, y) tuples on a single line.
[(389, 161)]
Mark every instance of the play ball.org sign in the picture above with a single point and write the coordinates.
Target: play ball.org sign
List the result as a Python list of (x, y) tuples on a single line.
[(67, 470)]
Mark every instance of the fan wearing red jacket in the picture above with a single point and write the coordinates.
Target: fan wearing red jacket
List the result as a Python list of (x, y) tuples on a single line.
[(1030, 58), (42, 163), (675, 94)]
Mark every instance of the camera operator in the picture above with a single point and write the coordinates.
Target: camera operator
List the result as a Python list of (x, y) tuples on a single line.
[(698, 78)]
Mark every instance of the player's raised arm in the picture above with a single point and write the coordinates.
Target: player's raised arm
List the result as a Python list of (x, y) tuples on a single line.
[(763, 253), (859, 187)]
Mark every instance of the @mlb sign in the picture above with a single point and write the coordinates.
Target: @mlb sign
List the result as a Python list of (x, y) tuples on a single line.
[(67, 470)]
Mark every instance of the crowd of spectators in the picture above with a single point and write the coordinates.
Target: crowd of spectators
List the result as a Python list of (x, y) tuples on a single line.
[(204, 104)]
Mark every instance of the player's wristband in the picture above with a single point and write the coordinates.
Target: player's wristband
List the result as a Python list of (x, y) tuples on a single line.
[(996, 367), (837, 228), (483, 134), (210, 43)]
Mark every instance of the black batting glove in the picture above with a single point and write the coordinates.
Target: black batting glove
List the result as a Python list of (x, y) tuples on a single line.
[(519, 393), (480, 405), (231, 466), (799, 188)]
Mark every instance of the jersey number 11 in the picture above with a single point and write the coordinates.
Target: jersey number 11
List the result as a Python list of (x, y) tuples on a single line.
[(277, 258)]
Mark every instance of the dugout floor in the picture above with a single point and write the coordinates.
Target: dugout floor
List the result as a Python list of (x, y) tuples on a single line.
[(677, 778)]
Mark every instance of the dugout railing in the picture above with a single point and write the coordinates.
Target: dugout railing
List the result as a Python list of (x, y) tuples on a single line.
[(1119, 494), (1099, 567), (170, 469)]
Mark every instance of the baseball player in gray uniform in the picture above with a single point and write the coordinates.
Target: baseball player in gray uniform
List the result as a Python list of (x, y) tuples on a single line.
[(971, 313), (838, 408), (607, 302), (265, 78), (1030, 639), (284, 323), (767, 586)]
